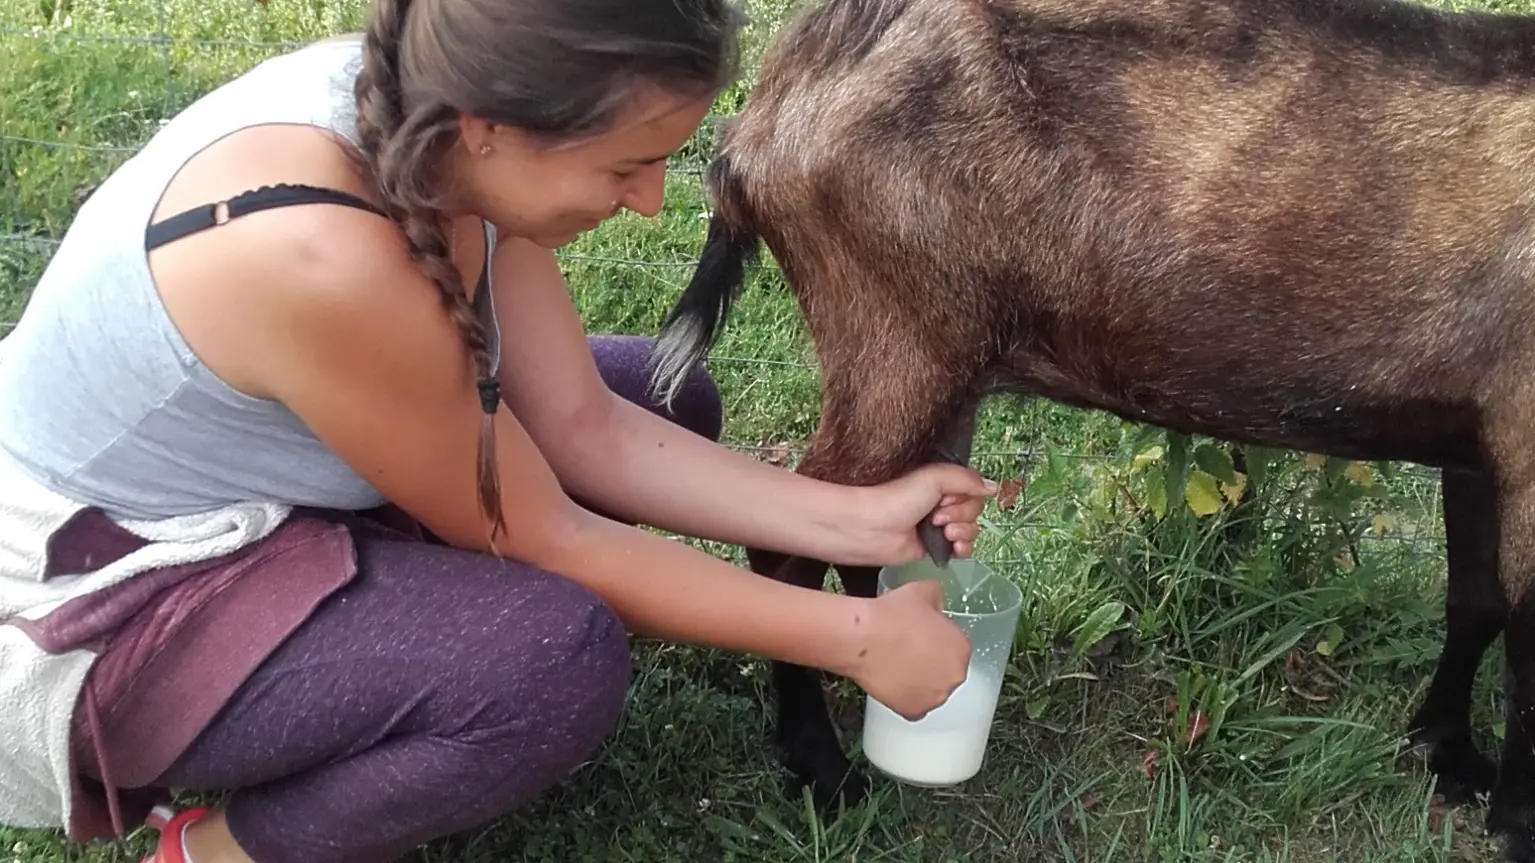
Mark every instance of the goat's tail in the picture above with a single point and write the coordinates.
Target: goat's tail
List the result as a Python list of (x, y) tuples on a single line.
[(695, 322)]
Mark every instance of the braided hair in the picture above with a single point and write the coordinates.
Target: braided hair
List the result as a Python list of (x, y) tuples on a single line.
[(557, 69)]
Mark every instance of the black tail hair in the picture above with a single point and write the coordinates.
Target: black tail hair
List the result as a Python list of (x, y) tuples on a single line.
[(695, 322)]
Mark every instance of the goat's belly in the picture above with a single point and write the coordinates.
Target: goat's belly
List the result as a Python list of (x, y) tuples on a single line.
[(1430, 431)]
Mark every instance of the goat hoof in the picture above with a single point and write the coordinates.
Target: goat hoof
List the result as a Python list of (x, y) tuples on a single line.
[(831, 794), (1464, 773), (1513, 827), (813, 756)]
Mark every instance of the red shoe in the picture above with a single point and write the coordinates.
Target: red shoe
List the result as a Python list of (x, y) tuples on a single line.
[(171, 826)]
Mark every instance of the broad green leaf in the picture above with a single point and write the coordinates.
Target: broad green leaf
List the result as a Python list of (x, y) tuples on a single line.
[(1176, 469), (1259, 459), (1203, 496), (1156, 493), (1360, 472), (1216, 462), (1098, 625), (1330, 639), (1150, 456), (1036, 707)]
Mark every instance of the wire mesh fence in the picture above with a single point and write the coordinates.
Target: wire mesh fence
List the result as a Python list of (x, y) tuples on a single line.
[(91, 80)]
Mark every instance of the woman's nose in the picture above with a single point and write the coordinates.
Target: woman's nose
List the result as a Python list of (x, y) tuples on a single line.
[(647, 190)]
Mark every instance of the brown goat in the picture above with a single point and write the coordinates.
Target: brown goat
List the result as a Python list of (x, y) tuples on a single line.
[(1300, 223)]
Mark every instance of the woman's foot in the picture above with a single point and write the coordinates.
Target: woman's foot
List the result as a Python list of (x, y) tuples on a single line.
[(172, 827), (196, 835)]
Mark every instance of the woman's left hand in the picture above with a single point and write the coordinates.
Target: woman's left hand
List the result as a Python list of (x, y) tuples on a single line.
[(948, 495)]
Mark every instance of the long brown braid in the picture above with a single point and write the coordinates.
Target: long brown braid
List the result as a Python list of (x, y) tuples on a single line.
[(402, 151)]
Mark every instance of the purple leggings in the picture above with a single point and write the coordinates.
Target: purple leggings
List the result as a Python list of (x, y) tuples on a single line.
[(440, 690)]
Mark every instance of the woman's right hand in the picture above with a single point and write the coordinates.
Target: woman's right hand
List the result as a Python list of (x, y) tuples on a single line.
[(911, 656)]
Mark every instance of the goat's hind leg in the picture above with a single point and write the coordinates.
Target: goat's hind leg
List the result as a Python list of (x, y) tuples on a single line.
[(1475, 612), (1511, 813), (807, 740)]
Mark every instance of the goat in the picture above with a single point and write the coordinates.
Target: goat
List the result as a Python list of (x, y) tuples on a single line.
[(1305, 224)]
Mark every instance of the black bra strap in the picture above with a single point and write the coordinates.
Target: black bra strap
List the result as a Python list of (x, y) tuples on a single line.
[(289, 194), (265, 198)]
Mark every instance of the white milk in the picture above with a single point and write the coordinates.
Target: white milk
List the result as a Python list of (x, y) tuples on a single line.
[(946, 747)]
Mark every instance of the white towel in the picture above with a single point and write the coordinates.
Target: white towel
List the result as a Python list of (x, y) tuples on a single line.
[(38, 691)]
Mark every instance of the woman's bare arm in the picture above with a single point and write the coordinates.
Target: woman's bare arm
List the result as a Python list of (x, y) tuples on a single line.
[(618, 456)]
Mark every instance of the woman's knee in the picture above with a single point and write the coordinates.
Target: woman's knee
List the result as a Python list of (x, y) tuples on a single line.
[(592, 661), (498, 653), (624, 362), (698, 406), (564, 679)]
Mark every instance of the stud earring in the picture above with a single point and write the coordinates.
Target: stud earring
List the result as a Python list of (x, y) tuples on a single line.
[(484, 149)]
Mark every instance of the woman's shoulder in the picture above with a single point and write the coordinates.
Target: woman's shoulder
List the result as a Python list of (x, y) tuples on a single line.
[(237, 289)]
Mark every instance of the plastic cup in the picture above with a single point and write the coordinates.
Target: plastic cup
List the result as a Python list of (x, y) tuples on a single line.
[(948, 745)]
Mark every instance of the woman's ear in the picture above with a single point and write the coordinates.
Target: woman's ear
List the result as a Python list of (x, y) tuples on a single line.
[(478, 135), (481, 137)]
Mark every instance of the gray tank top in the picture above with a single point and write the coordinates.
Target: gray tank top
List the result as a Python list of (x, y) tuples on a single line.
[(102, 400)]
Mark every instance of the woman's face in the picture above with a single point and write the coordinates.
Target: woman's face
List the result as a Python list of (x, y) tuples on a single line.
[(549, 195)]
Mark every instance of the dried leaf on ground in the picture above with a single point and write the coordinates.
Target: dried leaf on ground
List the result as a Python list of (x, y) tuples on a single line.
[(1467, 845), (1199, 723), (1007, 494), (1308, 677), (775, 453)]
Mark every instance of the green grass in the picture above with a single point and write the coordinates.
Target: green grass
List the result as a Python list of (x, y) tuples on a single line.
[(1305, 656)]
